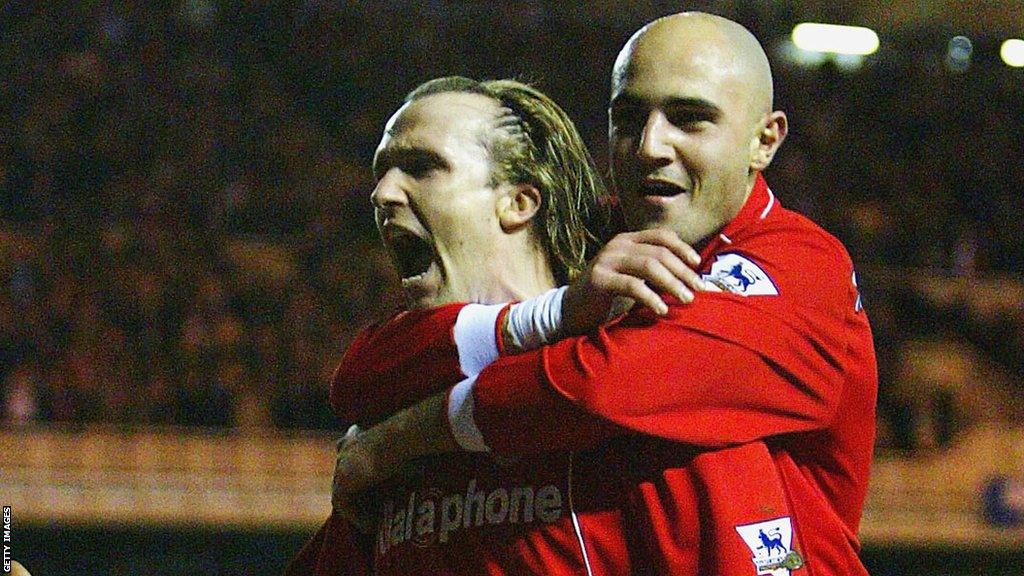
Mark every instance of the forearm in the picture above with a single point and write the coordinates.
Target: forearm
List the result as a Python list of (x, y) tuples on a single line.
[(526, 417), (417, 431), (674, 378), (368, 457), (392, 366), (668, 377)]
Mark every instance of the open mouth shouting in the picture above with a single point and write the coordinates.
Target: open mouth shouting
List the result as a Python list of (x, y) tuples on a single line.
[(413, 256)]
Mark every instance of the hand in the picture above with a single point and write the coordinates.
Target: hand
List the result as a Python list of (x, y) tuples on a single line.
[(367, 458), (635, 265), (359, 466)]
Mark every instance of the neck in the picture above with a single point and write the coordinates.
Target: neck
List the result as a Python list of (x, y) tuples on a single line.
[(500, 272), (515, 279)]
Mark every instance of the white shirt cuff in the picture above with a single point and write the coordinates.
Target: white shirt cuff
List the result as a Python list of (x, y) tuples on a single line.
[(460, 417), (475, 336), (536, 321)]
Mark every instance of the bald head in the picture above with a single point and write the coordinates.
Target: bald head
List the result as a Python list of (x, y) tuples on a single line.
[(691, 123), (695, 39)]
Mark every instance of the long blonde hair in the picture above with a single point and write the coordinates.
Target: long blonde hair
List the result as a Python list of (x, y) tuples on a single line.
[(538, 144)]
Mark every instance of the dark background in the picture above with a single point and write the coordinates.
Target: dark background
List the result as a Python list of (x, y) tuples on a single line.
[(186, 237), (183, 185)]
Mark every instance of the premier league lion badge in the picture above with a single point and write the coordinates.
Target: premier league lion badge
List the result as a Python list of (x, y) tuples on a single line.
[(771, 543), (740, 275)]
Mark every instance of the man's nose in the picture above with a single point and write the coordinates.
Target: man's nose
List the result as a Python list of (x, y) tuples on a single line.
[(655, 144), (389, 192)]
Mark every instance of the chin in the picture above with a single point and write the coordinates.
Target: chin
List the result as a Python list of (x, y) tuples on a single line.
[(650, 221), (420, 297)]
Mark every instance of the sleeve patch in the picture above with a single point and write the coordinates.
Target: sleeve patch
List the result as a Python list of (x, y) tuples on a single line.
[(740, 275), (771, 544)]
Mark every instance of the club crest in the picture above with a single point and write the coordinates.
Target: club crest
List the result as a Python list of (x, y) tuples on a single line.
[(739, 275), (771, 546)]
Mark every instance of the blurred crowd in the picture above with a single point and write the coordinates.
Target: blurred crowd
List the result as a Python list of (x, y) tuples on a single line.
[(186, 237)]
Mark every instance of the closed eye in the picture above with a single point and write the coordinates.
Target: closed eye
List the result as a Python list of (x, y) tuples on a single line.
[(414, 161), (419, 166)]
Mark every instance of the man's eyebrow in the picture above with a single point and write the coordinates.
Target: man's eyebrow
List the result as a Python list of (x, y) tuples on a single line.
[(402, 155), (692, 103)]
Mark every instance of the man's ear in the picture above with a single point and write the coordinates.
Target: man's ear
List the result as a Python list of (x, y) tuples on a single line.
[(768, 140), (517, 206)]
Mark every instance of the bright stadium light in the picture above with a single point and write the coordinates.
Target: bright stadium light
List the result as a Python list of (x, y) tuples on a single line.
[(853, 40), (1012, 52), (790, 53), (848, 62)]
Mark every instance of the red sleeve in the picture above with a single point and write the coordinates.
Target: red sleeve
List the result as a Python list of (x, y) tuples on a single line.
[(518, 412), (723, 370), (394, 365)]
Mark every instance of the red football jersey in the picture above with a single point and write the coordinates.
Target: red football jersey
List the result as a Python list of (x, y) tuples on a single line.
[(783, 355), (462, 514), (791, 478)]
